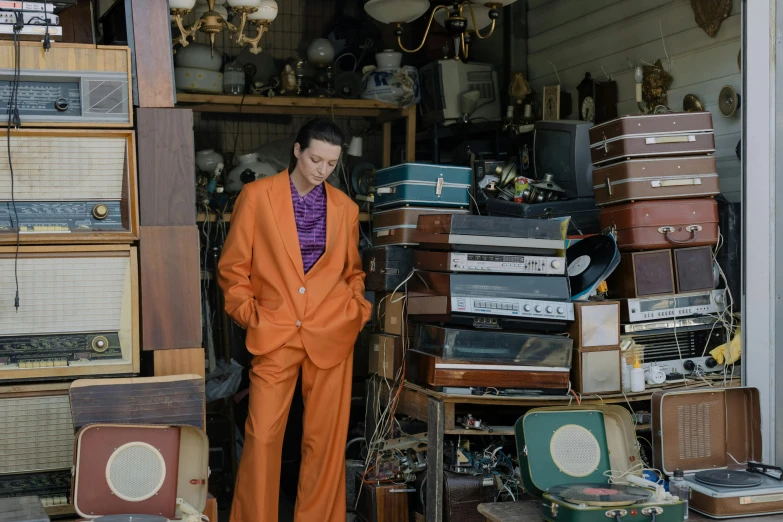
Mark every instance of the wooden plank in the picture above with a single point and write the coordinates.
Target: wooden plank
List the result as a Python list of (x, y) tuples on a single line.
[(211, 510), (435, 421), (170, 288), (554, 14), (387, 132), (283, 101), (152, 53), (166, 153), (410, 137), (146, 400), (285, 110), (76, 22), (179, 362)]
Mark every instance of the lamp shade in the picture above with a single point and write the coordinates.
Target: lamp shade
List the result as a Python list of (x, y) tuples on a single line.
[(181, 4), (396, 11), (244, 3), (502, 3), (267, 11), (482, 17)]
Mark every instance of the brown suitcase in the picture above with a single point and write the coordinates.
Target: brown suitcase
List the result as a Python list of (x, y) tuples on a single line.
[(671, 134), (717, 431), (656, 178), (653, 225), (398, 226)]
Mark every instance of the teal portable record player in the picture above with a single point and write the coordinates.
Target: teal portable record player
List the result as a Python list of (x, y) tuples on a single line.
[(585, 462)]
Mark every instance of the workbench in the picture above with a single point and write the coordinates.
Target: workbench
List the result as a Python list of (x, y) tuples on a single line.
[(438, 411)]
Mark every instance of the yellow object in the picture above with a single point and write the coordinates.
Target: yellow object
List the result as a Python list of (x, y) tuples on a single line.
[(636, 363), (729, 352)]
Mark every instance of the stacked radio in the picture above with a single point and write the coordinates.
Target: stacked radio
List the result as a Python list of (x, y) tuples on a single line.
[(655, 179), (488, 296), (68, 266)]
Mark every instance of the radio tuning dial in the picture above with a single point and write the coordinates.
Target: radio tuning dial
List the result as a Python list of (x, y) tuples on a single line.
[(61, 104), (538, 308), (710, 362), (689, 365), (527, 308), (556, 263), (549, 309), (100, 344), (100, 211), (560, 309), (719, 298)]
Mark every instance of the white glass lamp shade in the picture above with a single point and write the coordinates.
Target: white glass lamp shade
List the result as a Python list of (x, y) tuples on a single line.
[(320, 52), (181, 4), (244, 3), (267, 11), (396, 11), (482, 17), (502, 3), (203, 8)]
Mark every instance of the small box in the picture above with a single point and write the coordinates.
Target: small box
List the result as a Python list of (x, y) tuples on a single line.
[(596, 325), (385, 355), (389, 309)]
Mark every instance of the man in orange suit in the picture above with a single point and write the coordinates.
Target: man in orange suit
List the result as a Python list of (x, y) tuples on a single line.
[(292, 277)]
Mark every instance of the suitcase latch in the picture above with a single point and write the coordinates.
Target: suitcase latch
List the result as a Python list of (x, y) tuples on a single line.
[(658, 183), (385, 190), (608, 186), (439, 187), (372, 265)]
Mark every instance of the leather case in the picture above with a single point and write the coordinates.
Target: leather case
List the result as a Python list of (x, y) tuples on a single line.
[(386, 267), (652, 225), (381, 502), (398, 226), (672, 134), (140, 469), (423, 184), (462, 494), (583, 212), (656, 178), (642, 274)]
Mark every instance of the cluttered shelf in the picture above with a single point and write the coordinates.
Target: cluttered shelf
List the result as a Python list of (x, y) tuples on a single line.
[(203, 217)]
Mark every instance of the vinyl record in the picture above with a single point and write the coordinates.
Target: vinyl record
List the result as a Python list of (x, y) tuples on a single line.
[(130, 518), (601, 494), (588, 261), (728, 478)]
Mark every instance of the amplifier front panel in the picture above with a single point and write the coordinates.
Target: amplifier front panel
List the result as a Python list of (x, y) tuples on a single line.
[(77, 313), (69, 187)]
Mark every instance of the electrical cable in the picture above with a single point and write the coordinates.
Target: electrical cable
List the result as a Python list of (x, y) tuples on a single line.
[(13, 115)]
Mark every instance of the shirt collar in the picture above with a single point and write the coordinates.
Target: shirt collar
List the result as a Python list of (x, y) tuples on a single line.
[(314, 194)]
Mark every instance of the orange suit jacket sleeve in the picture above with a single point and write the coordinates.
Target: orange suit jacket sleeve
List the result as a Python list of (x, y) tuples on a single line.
[(264, 285)]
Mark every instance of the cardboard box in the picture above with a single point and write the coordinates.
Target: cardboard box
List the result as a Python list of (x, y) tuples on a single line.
[(385, 354)]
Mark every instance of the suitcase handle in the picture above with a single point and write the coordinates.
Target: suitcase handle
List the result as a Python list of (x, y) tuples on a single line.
[(669, 139), (385, 190), (693, 229), (658, 183)]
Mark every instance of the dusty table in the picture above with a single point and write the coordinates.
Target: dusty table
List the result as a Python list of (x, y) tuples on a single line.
[(530, 511)]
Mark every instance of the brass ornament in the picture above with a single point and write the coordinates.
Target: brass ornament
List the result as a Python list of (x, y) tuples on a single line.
[(710, 14), (655, 85)]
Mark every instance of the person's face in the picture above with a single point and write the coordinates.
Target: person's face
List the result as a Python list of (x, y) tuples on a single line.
[(316, 162)]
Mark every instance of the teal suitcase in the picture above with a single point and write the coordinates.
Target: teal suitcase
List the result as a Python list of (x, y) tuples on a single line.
[(423, 184)]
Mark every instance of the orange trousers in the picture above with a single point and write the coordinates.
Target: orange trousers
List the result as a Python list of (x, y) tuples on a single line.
[(327, 403)]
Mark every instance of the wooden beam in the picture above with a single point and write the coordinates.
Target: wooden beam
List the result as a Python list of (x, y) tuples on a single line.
[(410, 134), (152, 53), (179, 362), (387, 133)]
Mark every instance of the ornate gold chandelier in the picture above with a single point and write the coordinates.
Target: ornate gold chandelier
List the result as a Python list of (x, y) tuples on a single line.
[(257, 13)]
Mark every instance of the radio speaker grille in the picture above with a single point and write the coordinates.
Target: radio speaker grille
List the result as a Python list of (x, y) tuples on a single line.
[(694, 428), (575, 450), (107, 97), (135, 471)]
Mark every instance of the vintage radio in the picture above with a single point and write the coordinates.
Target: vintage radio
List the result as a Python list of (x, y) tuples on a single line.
[(714, 436), (36, 441), (672, 306), (492, 263), (386, 267), (381, 502), (69, 186), (398, 226), (679, 347), (537, 297), (77, 314), (643, 274), (596, 325), (694, 269), (492, 234), (386, 353), (72, 85)]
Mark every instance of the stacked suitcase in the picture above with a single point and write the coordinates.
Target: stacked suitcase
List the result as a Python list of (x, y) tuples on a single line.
[(655, 179)]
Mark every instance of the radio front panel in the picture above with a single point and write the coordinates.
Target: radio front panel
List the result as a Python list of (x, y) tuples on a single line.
[(69, 187), (78, 312)]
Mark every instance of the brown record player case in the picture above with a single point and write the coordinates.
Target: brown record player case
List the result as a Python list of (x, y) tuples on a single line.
[(398, 226), (652, 225), (712, 429)]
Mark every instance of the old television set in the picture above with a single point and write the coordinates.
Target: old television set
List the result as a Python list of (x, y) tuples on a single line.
[(562, 148), (443, 82)]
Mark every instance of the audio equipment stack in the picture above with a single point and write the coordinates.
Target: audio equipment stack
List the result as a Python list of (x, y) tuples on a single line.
[(656, 188), (69, 290)]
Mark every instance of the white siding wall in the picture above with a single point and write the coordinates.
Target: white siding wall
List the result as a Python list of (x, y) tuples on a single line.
[(578, 36)]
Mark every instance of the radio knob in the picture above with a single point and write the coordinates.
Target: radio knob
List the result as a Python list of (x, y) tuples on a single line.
[(100, 211), (61, 104), (710, 362), (560, 309), (100, 344), (549, 309), (538, 308), (527, 308), (689, 365), (719, 298), (556, 263)]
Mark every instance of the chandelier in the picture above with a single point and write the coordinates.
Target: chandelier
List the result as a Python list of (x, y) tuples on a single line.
[(455, 18), (257, 13)]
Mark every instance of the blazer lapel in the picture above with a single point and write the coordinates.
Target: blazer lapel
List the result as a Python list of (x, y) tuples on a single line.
[(280, 199)]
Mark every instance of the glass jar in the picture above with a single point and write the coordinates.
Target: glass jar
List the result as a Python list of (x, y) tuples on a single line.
[(233, 79)]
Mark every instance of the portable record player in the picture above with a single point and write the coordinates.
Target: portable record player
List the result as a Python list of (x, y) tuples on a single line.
[(585, 462), (133, 470), (714, 436)]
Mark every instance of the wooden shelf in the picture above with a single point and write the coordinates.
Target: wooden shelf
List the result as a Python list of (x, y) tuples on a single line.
[(293, 105), (202, 217)]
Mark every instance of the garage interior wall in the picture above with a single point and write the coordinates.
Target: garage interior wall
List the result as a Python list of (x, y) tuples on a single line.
[(575, 37)]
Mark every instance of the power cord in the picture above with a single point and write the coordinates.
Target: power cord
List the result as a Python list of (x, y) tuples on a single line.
[(13, 115), (47, 44)]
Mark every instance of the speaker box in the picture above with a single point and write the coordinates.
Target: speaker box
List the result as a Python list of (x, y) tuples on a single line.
[(596, 325), (643, 274), (596, 372), (693, 268)]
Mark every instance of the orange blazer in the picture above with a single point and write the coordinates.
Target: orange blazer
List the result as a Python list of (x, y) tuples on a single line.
[(266, 290)]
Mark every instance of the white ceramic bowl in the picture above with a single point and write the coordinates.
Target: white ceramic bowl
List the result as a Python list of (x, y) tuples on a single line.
[(188, 79), (244, 3), (394, 11), (198, 56)]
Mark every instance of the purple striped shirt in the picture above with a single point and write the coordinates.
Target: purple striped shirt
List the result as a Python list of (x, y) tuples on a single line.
[(310, 216)]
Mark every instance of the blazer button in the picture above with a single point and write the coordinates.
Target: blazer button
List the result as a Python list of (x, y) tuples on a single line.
[(302, 290), (298, 323)]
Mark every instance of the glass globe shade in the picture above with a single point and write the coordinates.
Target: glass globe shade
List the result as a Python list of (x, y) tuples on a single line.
[(482, 17), (320, 52), (267, 11), (396, 11), (244, 3), (181, 4), (502, 3)]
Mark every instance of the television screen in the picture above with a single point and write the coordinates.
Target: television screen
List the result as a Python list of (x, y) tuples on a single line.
[(553, 154)]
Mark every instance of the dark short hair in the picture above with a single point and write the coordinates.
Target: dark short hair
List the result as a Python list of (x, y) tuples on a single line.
[(321, 129)]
